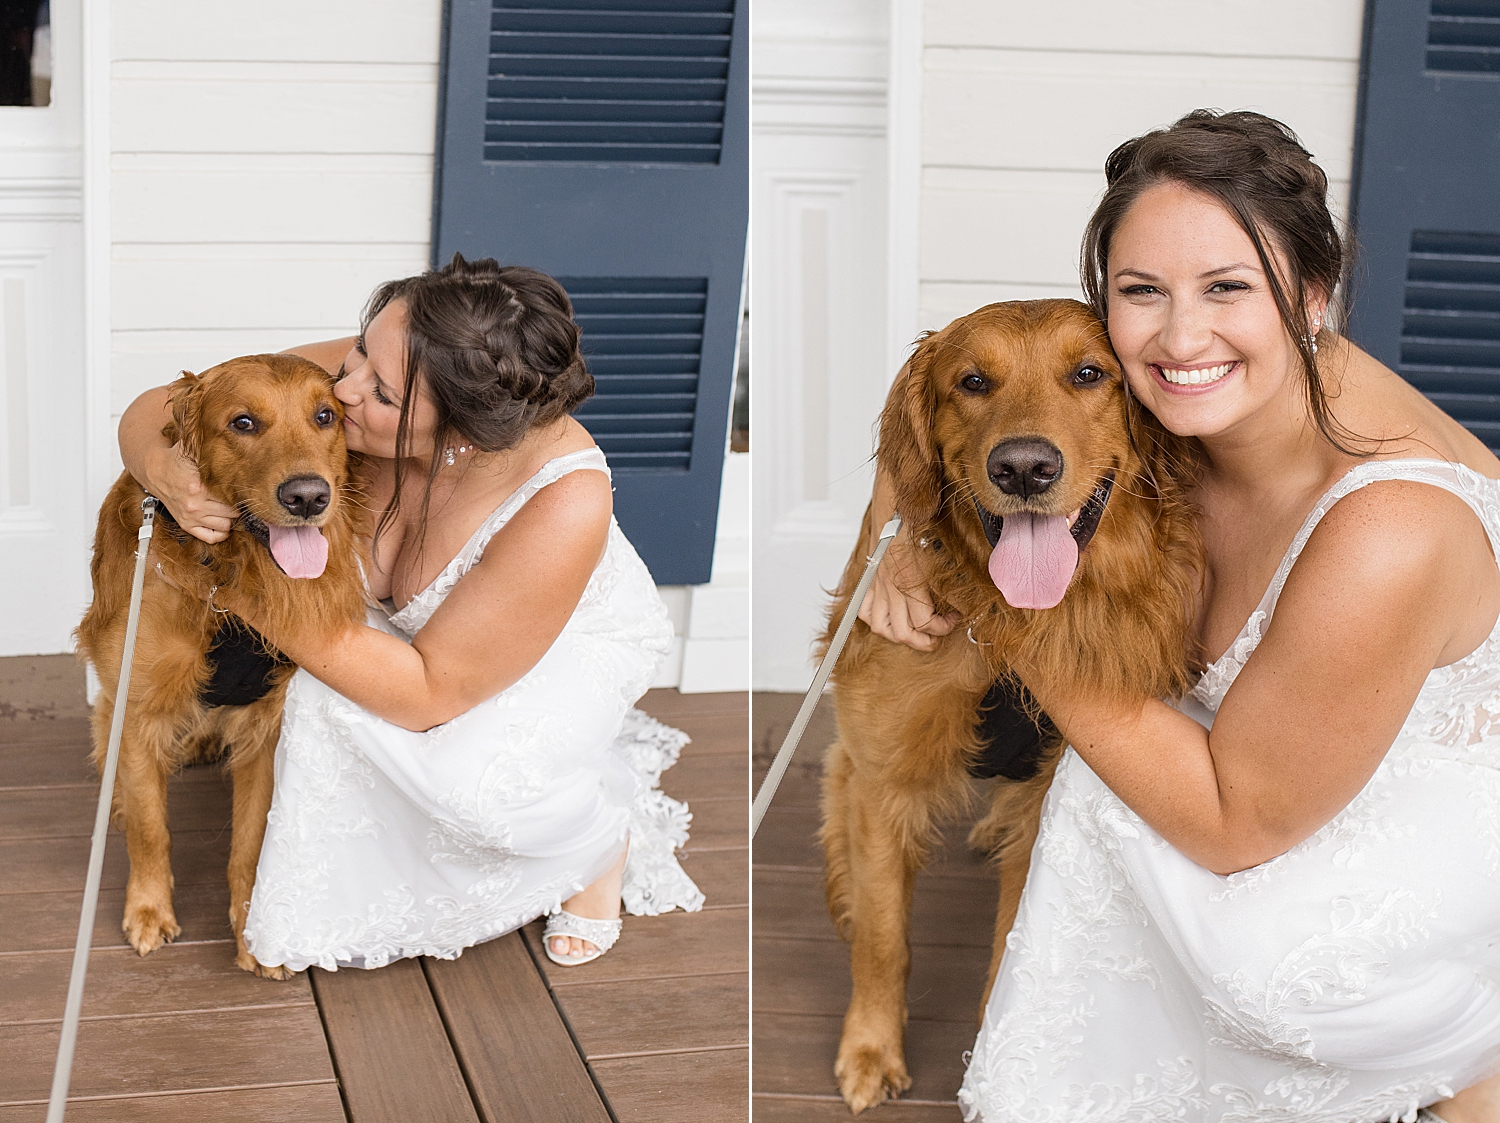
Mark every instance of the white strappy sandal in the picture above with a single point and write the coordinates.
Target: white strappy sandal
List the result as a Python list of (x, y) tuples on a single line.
[(601, 933)]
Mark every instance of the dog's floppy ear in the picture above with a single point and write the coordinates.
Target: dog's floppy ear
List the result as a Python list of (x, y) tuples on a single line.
[(908, 454), (187, 413)]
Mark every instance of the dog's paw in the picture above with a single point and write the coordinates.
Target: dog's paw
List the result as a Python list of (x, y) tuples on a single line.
[(147, 927), (869, 1074), (247, 962)]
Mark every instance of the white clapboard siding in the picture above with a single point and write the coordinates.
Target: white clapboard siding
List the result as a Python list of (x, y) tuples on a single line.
[(1267, 28), (281, 30), (1041, 90), (1021, 103), (175, 198), (143, 359), (252, 286), (274, 107)]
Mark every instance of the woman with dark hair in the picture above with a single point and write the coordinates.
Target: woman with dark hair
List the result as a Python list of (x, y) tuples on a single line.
[(469, 761), (1279, 899)]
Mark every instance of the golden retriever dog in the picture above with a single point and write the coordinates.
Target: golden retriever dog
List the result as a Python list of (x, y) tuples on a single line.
[(1051, 519), (268, 437)]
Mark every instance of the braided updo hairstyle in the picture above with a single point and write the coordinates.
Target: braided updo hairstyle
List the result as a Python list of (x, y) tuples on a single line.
[(1257, 169), (495, 349)]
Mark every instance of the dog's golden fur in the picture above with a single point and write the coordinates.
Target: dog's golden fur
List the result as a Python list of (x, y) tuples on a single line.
[(166, 725), (907, 719)]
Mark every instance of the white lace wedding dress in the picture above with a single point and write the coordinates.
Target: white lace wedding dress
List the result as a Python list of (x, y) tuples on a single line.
[(383, 843), (1354, 978)]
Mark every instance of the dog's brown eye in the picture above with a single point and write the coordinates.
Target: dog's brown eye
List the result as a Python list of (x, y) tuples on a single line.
[(244, 423), (1084, 375), (975, 383), (324, 417)]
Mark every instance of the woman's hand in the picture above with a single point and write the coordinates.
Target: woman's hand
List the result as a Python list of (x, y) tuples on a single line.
[(166, 472), (172, 476), (898, 605)]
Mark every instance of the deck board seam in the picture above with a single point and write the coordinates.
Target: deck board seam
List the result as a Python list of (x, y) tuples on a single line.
[(562, 1014), (821, 1097), (667, 1052), (645, 978), (109, 947), (161, 1013), (178, 1092)]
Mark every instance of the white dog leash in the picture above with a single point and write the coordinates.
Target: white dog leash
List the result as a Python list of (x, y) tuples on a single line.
[(63, 1072), (825, 668)]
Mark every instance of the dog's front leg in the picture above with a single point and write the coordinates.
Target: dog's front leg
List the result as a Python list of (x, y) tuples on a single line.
[(142, 790), (881, 866), (253, 771)]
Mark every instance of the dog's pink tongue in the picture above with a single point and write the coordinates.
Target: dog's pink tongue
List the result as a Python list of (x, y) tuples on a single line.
[(301, 551), (1034, 560)]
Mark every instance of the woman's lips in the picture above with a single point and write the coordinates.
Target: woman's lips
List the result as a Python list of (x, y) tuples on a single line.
[(1194, 379)]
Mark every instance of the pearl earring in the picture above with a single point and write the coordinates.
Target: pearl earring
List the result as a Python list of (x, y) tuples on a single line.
[(450, 453)]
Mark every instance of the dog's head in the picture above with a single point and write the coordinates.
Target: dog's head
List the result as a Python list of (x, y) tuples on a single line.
[(1013, 420), (268, 436)]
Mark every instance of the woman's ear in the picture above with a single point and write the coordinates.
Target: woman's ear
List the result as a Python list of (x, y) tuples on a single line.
[(908, 454), (187, 413)]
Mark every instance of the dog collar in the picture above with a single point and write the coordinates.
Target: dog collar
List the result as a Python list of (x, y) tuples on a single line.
[(1083, 527)]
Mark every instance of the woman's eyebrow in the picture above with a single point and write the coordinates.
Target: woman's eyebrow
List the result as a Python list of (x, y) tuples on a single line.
[(1230, 269), (1141, 273)]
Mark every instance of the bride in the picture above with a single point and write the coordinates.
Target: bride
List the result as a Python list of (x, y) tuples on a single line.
[(1279, 900), (468, 761)]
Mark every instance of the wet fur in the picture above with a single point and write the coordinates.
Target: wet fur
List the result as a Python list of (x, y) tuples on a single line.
[(907, 719), (166, 727)]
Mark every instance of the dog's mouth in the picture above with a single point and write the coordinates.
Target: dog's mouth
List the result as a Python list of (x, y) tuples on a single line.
[(299, 551), (1033, 556)]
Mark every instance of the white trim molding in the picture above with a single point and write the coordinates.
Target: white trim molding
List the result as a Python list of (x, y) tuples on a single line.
[(903, 180)]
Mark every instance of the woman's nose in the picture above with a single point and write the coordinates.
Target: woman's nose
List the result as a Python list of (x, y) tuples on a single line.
[(344, 390), (1186, 332)]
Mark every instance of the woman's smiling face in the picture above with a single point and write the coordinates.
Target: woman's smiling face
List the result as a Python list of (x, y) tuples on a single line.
[(372, 388), (1192, 318)]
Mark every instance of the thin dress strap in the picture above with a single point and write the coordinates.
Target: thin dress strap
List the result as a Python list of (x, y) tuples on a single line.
[(421, 607), (1481, 493)]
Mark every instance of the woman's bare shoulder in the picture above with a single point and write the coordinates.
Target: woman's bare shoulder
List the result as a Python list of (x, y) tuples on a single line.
[(1381, 408)]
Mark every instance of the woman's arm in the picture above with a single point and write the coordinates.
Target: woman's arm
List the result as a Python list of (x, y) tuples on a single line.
[(494, 626), (164, 470), (1397, 579)]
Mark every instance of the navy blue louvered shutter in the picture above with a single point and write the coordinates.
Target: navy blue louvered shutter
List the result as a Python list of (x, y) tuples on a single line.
[(606, 142), (1426, 202)]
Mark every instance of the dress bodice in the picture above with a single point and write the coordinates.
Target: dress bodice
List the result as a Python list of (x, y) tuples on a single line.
[(411, 619), (1451, 705)]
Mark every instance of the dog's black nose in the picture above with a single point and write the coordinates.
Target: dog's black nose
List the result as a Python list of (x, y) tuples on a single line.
[(1024, 466), (305, 496)]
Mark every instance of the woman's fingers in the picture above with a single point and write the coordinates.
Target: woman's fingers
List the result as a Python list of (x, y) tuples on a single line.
[(898, 605), (175, 481)]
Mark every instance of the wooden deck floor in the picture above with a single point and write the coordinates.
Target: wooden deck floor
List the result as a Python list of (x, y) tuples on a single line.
[(802, 967), (655, 1030)]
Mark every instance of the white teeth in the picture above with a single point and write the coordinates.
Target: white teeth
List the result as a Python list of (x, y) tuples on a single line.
[(1196, 377)]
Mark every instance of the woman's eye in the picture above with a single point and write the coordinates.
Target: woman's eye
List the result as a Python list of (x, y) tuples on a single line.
[(244, 423), (1084, 375), (1228, 287), (1138, 290), (359, 344), (975, 383), (324, 417), (379, 397)]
